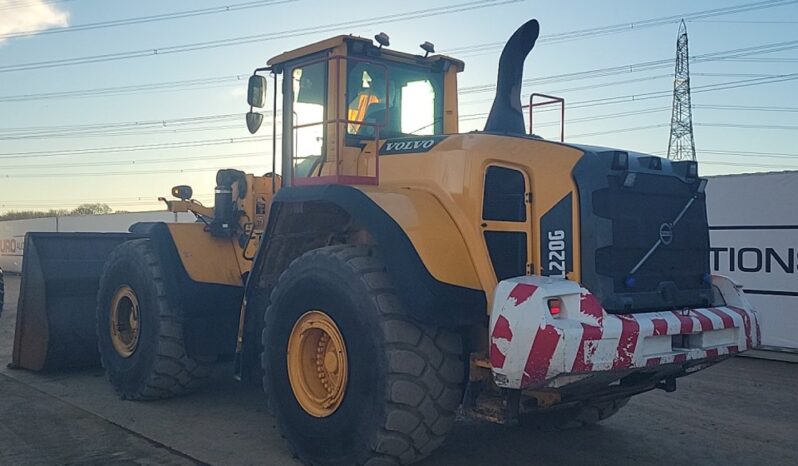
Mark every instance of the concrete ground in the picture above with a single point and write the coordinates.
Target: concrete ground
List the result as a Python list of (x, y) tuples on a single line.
[(743, 411)]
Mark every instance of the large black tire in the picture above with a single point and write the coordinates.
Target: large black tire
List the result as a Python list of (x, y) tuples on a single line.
[(577, 417), (159, 366), (405, 379)]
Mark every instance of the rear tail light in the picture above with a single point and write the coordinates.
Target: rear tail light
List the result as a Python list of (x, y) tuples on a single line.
[(555, 306)]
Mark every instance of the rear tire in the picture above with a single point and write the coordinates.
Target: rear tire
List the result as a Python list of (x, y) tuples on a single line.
[(150, 362), (403, 379)]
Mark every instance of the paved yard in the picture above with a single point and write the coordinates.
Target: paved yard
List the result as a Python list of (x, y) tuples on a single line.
[(742, 412)]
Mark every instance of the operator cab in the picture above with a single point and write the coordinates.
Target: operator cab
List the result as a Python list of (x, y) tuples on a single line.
[(343, 97)]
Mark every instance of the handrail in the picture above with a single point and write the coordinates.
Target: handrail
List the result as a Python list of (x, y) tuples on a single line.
[(551, 100)]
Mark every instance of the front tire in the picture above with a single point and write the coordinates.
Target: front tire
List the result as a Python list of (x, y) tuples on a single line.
[(139, 333), (403, 380)]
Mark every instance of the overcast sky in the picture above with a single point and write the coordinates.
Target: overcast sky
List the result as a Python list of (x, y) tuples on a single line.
[(60, 147)]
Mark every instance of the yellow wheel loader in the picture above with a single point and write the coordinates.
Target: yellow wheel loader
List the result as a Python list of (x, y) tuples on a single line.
[(397, 272)]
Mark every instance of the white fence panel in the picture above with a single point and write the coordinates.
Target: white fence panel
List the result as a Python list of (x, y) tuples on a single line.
[(753, 222), (12, 232)]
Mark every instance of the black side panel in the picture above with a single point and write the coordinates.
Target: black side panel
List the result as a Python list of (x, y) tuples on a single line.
[(508, 253), (426, 298), (210, 311), (505, 189), (621, 223), (556, 239)]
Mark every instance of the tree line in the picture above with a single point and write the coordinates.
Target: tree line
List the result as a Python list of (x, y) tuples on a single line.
[(83, 209)]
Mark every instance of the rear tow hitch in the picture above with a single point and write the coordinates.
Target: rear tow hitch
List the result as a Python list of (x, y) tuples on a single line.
[(669, 384)]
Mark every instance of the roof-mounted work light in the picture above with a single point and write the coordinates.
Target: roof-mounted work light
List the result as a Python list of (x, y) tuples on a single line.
[(428, 47), (383, 39)]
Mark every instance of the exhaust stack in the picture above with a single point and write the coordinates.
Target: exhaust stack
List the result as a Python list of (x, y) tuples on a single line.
[(506, 115)]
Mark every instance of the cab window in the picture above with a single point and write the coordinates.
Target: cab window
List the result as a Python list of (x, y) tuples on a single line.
[(308, 113), (400, 100)]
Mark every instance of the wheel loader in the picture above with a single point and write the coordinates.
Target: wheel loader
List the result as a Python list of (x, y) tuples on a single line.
[(398, 273)]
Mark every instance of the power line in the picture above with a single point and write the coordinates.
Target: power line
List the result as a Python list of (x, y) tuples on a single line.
[(101, 129), (629, 26), (122, 124), (14, 6), (124, 132), (560, 37), (749, 126), (748, 108), (744, 22), (616, 131), (147, 19), (200, 83), (649, 65), (661, 125), (135, 148), (394, 18), (629, 98), (750, 165), (107, 200), (141, 162), (761, 60), (124, 173), (737, 153), (605, 116), (182, 85), (126, 90)]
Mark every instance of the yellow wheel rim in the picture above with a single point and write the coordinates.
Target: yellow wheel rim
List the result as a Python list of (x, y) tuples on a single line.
[(125, 321), (317, 364)]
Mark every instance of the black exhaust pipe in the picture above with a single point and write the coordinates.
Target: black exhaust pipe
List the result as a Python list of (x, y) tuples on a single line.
[(506, 115)]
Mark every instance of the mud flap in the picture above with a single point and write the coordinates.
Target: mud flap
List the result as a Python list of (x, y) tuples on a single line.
[(58, 295)]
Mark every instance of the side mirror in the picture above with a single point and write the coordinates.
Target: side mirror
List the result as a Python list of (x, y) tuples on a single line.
[(254, 121), (182, 192), (256, 91)]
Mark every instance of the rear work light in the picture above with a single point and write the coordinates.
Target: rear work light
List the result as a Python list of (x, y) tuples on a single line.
[(620, 161), (555, 306)]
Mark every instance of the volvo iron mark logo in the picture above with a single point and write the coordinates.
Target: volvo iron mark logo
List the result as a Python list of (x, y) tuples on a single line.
[(410, 145), (666, 233)]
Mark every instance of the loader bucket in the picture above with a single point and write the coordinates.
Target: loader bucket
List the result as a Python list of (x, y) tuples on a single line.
[(56, 313)]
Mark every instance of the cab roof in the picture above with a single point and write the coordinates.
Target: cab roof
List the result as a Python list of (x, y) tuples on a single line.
[(333, 42)]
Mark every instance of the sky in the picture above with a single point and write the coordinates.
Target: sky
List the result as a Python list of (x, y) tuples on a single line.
[(158, 94)]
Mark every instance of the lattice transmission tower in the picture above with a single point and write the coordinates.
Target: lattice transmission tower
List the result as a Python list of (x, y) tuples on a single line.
[(681, 145)]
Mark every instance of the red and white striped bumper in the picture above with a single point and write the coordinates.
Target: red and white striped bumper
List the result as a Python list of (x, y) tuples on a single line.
[(530, 348)]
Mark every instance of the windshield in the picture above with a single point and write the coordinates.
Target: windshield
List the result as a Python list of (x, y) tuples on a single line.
[(401, 99)]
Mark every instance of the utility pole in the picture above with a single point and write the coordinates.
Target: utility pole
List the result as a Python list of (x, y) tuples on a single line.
[(681, 145)]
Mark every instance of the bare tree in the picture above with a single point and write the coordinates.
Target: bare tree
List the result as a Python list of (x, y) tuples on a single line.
[(91, 209)]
